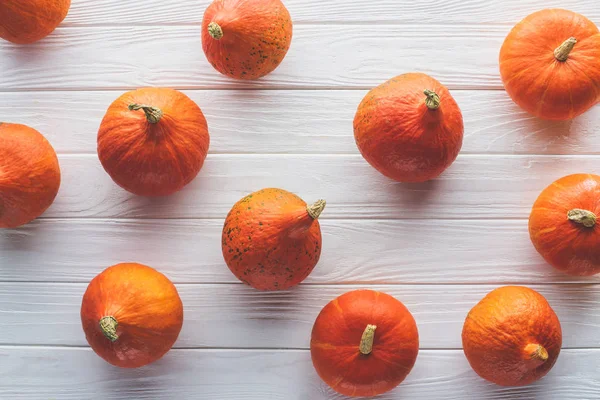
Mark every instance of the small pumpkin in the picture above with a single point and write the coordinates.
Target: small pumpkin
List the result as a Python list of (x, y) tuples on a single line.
[(27, 21), (550, 64), (272, 240), (512, 337), (29, 175), (131, 315), (153, 141), (562, 224), (409, 128), (246, 39), (364, 343)]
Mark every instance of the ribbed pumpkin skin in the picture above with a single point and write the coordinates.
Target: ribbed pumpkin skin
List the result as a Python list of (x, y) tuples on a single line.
[(502, 331), (153, 159), (269, 240), (29, 175), (256, 37), (27, 21), (401, 137), (536, 80), (146, 306), (565, 244), (337, 333)]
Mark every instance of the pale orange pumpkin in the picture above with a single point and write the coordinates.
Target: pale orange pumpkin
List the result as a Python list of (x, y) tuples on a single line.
[(550, 64), (29, 175)]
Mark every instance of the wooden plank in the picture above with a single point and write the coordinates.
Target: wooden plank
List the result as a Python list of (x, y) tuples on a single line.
[(75, 374), (473, 187), (354, 251), (152, 12), (304, 121), (321, 56), (237, 316)]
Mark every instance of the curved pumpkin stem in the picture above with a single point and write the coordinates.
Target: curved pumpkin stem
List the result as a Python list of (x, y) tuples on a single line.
[(537, 352), (562, 52), (315, 210), (108, 325), (215, 31), (153, 114), (366, 341), (433, 99), (583, 217)]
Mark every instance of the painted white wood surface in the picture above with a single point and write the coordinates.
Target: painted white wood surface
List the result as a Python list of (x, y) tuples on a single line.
[(236, 316), (438, 247), (77, 373), (303, 121)]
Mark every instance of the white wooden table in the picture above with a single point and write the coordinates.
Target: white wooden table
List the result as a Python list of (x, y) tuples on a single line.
[(438, 247)]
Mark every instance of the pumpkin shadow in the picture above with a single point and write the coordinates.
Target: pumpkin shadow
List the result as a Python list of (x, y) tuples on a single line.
[(417, 194), (18, 249)]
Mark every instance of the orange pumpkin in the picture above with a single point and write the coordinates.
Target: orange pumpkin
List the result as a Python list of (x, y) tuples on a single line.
[(271, 239), (131, 315), (364, 343), (153, 141), (246, 39), (550, 64), (27, 21), (409, 128), (562, 224), (29, 175), (512, 337)]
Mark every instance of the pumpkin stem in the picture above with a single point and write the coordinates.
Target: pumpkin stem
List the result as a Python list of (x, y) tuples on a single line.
[(583, 217), (108, 325), (433, 100), (537, 352), (366, 341), (153, 114), (315, 209), (562, 52), (215, 31)]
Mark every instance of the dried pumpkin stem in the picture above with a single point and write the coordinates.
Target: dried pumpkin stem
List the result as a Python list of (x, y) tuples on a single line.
[(433, 99), (153, 114), (366, 341), (314, 210), (108, 325), (562, 52), (215, 31), (583, 217), (537, 352)]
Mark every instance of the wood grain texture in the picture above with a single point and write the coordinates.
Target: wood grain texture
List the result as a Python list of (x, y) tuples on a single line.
[(304, 121), (354, 251), (76, 374), (473, 187), (155, 12), (321, 56), (237, 316)]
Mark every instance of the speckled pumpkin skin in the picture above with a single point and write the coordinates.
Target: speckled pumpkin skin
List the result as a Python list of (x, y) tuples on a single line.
[(336, 335), (256, 37), (27, 21), (402, 138), (269, 241), (567, 246), (29, 175), (501, 331)]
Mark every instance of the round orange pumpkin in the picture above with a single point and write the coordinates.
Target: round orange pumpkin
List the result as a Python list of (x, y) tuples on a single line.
[(550, 64), (27, 21), (272, 240), (562, 224), (29, 175), (246, 39), (512, 337), (131, 315), (409, 128), (364, 343), (153, 141)]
